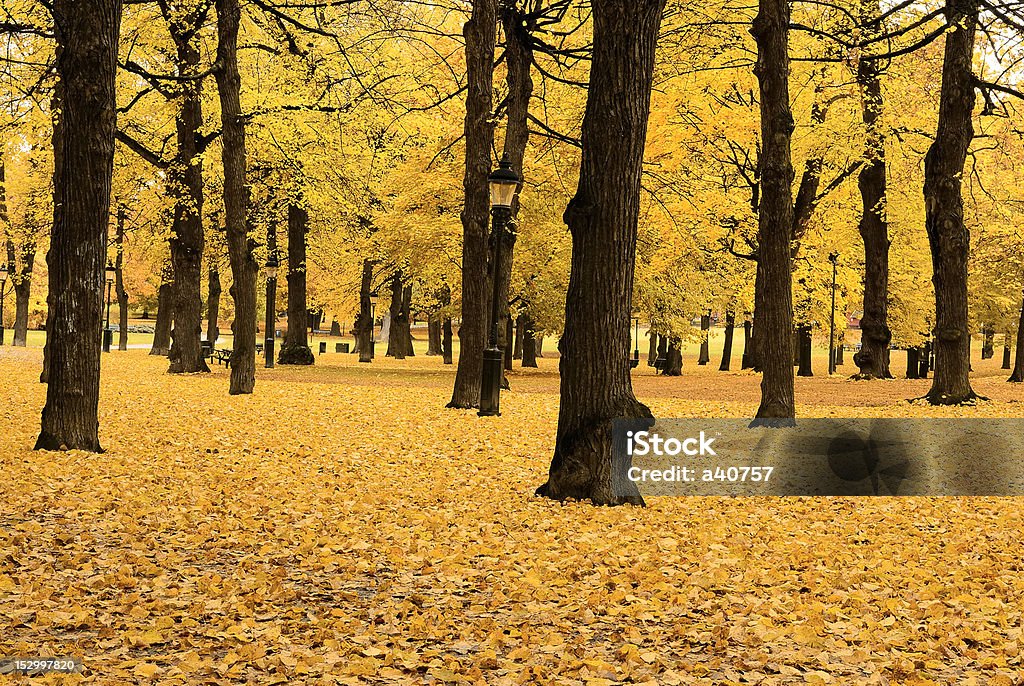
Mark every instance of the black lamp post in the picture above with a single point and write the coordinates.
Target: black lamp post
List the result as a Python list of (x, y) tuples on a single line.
[(834, 259), (3, 296), (108, 335), (635, 362), (271, 318), (503, 183), (373, 324)]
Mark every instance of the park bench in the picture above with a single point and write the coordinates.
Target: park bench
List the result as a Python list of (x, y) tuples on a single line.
[(222, 355)]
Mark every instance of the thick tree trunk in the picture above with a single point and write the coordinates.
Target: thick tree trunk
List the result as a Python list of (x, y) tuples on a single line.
[(596, 388), (517, 350), (730, 328), (187, 241), (213, 306), (540, 345), (1006, 350), (21, 275), (529, 342), (1018, 363), (236, 201), (774, 300), (480, 35), (122, 295), (364, 321), (86, 65), (872, 359), (705, 334), (925, 364), (446, 340), (295, 349), (948, 237), (673, 359), (400, 338), (507, 348), (164, 315), (988, 346), (745, 359), (433, 335), (56, 140), (913, 363), (806, 349)]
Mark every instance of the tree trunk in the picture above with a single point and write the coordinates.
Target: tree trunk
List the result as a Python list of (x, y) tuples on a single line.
[(517, 350), (480, 35), (745, 359), (236, 201), (913, 363), (1018, 363), (926, 361), (213, 306), (446, 340), (705, 335), (364, 320), (730, 326), (187, 242), (164, 310), (806, 348), (652, 346), (56, 140), (86, 65), (841, 349), (673, 359), (988, 347), (948, 237), (295, 348), (774, 301), (507, 348), (874, 227), (21, 276), (122, 295), (1006, 350), (400, 338), (602, 217), (433, 335), (529, 342), (540, 346)]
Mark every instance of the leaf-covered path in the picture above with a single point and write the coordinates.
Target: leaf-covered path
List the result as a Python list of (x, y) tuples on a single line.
[(357, 532)]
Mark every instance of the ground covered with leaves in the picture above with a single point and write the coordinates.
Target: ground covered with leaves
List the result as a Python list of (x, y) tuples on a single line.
[(341, 526)]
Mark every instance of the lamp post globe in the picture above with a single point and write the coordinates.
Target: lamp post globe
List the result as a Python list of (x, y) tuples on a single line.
[(502, 186)]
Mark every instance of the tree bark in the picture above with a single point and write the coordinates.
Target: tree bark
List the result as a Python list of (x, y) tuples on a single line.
[(529, 342), (122, 295), (913, 363), (86, 65), (164, 310), (517, 350), (806, 349), (1017, 376), (400, 338), (213, 306), (295, 349), (446, 340), (236, 201), (480, 35), (774, 300), (705, 343), (1006, 350), (540, 345), (948, 237), (21, 277), (652, 346), (602, 218), (730, 328), (745, 362), (433, 335), (509, 333), (872, 359), (988, 346), (673, 359), (187, 240), (364, 321)]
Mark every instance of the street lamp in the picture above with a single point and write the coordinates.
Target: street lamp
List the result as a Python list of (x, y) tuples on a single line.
[(373, 324), (502, 184), (3, 296), (268, 339), (635, 362), (108, 335), (834, 259)]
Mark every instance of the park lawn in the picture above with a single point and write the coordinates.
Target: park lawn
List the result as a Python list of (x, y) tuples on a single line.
[(341, 526)]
